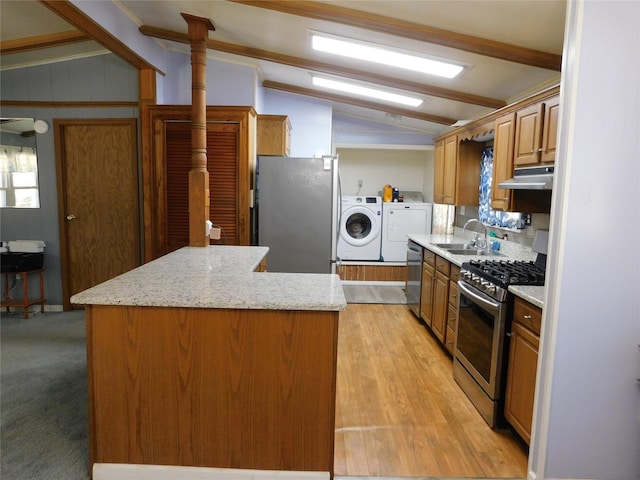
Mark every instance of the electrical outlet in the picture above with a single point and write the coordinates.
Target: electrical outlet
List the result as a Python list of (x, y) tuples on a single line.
[(359, 183), (527, 219)]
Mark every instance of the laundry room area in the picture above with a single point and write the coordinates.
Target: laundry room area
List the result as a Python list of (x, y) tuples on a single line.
[(372, 233)]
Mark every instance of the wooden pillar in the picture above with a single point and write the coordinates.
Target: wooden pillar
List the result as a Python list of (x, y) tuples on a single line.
[(198, 176)]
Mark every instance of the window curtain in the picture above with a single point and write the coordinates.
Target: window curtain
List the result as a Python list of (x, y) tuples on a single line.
[(486, 214)]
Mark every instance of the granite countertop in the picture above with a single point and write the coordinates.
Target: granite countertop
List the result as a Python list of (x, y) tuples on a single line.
[(216, 277), (508, 251)]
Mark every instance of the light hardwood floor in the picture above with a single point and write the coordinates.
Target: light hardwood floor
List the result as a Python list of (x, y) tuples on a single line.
[(399, 411)]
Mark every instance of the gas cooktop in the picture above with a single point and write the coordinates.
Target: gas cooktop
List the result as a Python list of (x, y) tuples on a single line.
[(507, 272)]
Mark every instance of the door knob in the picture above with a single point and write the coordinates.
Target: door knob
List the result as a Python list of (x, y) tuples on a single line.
[(71, 217)]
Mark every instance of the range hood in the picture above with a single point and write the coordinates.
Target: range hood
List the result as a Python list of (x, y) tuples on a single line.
[(530, 178)]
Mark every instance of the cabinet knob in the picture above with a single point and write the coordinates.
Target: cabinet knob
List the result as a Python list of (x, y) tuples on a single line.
[(527, 317), (71, 217)]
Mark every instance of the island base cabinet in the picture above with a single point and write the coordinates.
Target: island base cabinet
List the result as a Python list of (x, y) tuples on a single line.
[(249, 389)]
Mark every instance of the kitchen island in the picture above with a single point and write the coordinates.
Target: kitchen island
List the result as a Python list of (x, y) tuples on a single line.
[(196, 359)]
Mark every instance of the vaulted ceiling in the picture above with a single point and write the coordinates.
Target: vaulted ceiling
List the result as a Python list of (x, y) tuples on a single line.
[(509, 48)]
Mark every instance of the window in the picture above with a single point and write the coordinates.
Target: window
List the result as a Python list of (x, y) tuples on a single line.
[(18, 177)]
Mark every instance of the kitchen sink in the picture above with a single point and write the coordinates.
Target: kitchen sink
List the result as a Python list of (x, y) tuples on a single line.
[(449, 246), (473, 251)]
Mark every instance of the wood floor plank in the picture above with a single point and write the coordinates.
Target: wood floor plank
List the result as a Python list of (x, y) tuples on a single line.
[(400, 412)]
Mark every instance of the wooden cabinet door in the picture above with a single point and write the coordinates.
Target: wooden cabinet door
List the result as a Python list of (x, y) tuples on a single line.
[(521, 380), (528, 135), (222, 164), (440, 306), (502, 161), (438, 173), (450, 163), (426, 294), (273, 135), (550, 130)]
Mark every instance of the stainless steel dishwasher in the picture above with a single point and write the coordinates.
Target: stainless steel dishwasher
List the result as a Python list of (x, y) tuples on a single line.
[(414, 276)]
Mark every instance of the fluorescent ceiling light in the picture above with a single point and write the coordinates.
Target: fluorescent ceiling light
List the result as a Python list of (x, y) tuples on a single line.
[(384, 56), (365, 91)]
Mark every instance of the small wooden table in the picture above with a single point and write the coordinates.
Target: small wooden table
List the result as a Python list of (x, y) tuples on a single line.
[(25, 301)]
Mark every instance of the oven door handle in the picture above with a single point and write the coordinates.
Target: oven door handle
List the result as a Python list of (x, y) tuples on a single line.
[(480, 300)]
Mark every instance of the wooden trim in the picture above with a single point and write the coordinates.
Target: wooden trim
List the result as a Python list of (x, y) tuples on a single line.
[(28, 44), (405, 29), (69, 12), (329, 68), (360, 103), (51, 104), (379, 273)]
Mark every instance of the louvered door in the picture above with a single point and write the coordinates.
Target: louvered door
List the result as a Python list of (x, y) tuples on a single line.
[(222, 164)]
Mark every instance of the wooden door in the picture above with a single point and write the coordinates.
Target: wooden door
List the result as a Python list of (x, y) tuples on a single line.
[(97, 172), (222, 164), (550, 130), (528, 135), (426, 294), (438, 173), (502, 161), (521, 380), (450, 164), (440, 306)]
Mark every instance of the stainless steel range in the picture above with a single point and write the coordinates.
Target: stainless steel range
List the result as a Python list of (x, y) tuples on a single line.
[(485, 309)]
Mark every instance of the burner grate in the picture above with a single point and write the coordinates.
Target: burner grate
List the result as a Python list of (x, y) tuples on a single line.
[(508, 272)]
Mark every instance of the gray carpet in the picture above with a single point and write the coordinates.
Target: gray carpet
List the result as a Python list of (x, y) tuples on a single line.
[(374, 294), (43, 386)]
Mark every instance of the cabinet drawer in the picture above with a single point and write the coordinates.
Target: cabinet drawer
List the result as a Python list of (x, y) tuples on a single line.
[(527, 315), (455, 273), (442, 265), (429, 257), (453, 294)]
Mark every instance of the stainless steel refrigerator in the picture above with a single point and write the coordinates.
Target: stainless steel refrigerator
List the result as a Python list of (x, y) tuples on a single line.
[(297, 213)]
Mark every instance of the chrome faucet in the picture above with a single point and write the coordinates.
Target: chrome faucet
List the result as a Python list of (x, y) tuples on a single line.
[(476, 242)]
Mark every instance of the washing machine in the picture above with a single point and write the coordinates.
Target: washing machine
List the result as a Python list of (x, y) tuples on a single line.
[(400, 219), (360, 228)]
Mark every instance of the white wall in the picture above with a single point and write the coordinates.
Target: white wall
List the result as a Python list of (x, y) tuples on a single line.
[(227, 83), (310, 121), (586, 419), (410, 170)]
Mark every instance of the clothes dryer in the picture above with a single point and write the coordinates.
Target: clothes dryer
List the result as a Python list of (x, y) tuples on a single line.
[(360, 228), (400, 219)]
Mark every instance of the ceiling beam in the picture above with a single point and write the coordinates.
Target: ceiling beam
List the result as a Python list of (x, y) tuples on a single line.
[(359, 103), (415, 31), (42, 41), (330, 69), (69, 12)]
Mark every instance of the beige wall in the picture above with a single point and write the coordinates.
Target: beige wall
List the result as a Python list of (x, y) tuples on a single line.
[(407, 169)]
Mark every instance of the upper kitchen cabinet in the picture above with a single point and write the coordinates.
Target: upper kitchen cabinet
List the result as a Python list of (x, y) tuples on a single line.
[(503, 143), (274, 135), (536, 131), (457, 171)]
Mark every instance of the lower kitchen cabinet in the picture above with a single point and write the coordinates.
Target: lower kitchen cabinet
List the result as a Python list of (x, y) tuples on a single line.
[(523, 364), (452, 317), (439, 297), (428, 281)]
